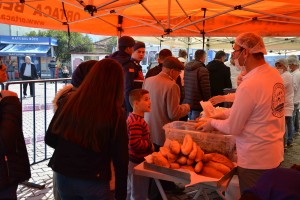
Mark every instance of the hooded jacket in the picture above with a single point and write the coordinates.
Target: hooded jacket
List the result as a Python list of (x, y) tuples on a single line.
[(131, 72), (196, 84)]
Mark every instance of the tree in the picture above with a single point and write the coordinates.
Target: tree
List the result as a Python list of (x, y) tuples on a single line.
[(77, 43)]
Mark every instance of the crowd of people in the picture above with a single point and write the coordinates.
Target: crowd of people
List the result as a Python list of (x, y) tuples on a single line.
[(97, 131)]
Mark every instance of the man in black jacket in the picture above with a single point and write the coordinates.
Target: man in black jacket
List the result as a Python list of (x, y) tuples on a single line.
[(219, 75), (196, 84), (14, 162), (123, 56), (28, 72)]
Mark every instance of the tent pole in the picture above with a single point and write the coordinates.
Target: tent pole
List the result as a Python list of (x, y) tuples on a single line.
[(119, 28), (188, 49), (169, 14), (203, 32)]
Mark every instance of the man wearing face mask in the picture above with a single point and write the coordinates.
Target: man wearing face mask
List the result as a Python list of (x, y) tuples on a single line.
[(257, 115), (282, 66)]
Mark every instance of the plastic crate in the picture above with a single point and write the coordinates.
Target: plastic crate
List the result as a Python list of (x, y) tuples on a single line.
[(209, 142)]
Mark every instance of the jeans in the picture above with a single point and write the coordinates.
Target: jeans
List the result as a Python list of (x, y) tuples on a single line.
[(295, 117), (52, 72), (82, 189), (289, 130), (193, 114), (11, 76), (55, 190)]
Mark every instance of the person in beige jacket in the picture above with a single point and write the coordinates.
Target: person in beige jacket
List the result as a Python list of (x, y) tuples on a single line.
[(165, 97)]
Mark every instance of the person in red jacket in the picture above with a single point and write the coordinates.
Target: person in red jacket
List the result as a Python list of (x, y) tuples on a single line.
[(139, 145)]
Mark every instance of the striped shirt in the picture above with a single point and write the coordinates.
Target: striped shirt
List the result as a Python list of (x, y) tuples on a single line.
[(139, 144)]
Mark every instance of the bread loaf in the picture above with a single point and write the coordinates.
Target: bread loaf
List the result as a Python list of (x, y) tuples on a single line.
[(190, 168), (160, 160), (175, 147), (187, 145), (207, 157), (211, 172), (198, 167), (193, 153), (222, 159), (218, 166), (174, 166), (182, 160), (199, 155), (164, 151), (171, 157)]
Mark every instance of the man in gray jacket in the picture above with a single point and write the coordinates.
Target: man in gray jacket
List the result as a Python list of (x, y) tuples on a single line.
[(196, 84), (165, 96)]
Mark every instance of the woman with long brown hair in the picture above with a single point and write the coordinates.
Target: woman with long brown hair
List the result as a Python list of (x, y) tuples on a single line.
[(90, 128)]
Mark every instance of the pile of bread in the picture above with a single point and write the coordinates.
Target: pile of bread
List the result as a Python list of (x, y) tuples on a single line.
[(190, 156)]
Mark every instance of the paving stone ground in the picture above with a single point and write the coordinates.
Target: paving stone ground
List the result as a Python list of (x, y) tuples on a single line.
[(34, 123)]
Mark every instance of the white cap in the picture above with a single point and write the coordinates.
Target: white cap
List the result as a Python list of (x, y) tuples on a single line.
[(282, 61), (251, 41), (293, 60), (181, 59)]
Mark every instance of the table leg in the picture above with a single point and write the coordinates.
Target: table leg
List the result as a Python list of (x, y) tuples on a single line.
[(161, 190)]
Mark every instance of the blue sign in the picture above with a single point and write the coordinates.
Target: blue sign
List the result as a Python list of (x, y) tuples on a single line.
[(28, 40)]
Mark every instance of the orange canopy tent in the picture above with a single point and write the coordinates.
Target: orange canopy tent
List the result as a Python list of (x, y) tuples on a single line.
[(173, 18)]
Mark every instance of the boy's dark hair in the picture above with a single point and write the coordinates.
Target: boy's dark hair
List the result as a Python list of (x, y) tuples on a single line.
[(136, 95), (199, 54)]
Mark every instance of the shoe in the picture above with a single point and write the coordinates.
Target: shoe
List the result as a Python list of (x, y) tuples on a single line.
[(24, 96), (31, 95)]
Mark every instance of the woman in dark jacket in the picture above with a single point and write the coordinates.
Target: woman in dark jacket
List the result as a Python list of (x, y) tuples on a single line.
[(14, 162), (87, 132)]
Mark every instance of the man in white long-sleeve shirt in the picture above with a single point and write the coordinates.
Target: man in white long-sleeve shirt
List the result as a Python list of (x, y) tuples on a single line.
[(257, 115), (293, 63), (282, 66)]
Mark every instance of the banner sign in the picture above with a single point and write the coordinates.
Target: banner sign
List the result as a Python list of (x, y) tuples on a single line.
[(28, 40)]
